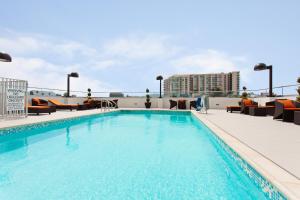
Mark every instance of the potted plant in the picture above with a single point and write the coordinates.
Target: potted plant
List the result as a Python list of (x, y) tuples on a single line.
[(244, 94), (298, 90), (147, 103), (89, 94)]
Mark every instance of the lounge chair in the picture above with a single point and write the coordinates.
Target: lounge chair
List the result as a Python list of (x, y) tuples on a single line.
[(270, 106), (90, 104), (60, 105), (297, 117), (268, 109), (39, 102), (246, 104), (233, 108), (173, 104), (284, 109), (193, 105), (41, 109), (182, 104)]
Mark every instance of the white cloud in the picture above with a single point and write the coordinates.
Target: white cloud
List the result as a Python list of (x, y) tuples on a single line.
[(140, 47), (72, 49), (45, 62), (207, 61), (42, 45), (20, 44), (104, 64), (41, 73)]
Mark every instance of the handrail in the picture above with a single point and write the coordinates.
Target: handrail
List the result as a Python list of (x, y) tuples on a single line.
[(109, 104), (282, 87)]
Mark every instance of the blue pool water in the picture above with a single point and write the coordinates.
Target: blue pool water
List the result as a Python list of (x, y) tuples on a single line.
[(123, 155)]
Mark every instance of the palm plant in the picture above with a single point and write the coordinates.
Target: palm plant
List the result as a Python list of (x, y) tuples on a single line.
[(89, 94), (244, 94), (147, 103)]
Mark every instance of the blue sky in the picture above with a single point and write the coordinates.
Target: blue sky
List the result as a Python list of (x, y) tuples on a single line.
[(123, 45)]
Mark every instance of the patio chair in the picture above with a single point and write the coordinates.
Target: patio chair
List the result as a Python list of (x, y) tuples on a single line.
[(193, 105), (270, 107), (173, 104), (60, 105), (90, 104), (233, 108), (39, 102), (297, 117), (246, 104), (284, 109), (41, 109), (182, 104)]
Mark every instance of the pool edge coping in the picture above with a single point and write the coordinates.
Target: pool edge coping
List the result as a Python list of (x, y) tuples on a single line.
[(285, 182), (18, 125)]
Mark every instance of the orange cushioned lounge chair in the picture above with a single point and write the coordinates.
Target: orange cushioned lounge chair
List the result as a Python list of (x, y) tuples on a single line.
[(246, 104), (284, 109), (233, 108), (39, 102), (60, 105), (41, 109), (90, 103)]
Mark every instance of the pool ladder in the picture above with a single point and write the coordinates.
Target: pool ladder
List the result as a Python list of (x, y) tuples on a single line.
[(108, 105)]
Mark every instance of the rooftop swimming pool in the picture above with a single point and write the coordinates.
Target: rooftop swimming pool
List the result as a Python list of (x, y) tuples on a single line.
[(125, 155)]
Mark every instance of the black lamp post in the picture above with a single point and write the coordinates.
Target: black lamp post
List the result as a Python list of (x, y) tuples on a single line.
[(4, 57), (263, 66), (160, 78), (73, 74)]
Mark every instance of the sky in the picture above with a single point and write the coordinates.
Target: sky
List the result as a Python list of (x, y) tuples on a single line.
[(123, 45)]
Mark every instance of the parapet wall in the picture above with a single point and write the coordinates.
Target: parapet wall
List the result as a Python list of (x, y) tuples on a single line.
[(139, 102)]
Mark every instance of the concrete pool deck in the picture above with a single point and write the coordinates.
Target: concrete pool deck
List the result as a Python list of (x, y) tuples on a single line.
[(271, 147), (279, 141)]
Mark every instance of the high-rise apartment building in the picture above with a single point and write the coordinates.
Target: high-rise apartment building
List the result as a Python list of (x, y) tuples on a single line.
[(217, 84)]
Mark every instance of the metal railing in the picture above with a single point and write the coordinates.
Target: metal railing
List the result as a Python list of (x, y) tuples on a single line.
[(13, 98), (107, 105), (285, 90)]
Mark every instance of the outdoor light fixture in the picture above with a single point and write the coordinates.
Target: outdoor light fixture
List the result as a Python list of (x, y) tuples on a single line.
[(160, 78), (263, 66), (4, 57), (74, 75)]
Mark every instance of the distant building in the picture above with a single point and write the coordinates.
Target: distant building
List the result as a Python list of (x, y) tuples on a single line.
[(42, 93), (217, 84), (116, 94)]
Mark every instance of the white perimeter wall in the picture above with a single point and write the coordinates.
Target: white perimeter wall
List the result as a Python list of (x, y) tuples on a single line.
[(139, 102)]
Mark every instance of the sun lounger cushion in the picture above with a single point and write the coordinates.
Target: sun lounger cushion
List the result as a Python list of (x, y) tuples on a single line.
[(293, 109), (57, 103), (39, 107), (248, 102), (39, 102), (287, 103)]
